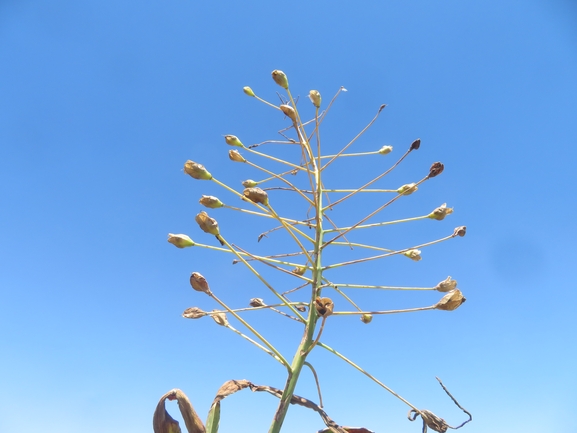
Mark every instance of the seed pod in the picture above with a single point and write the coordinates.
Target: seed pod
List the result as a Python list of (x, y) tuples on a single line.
[(299, 270), (232, 140), (460, 231), (199, 283), (385, 150), (446, 285), (315, 98), (413, 254), (247, 90), (324, 306), (196, 171), (407, 189), (235, 156), (289, 112), (193, 313), (367, 318), (415, 144), (257, 302), (207, 224), (219, 318), (180, 241), (210, 202), (249, 183), (256, 195), (451, 301), (436, 169), (441, 212), (280, 78), (301, 308)]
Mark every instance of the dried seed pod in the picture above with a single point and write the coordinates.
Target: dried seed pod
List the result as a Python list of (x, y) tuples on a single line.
[(451, 301), (256, 195), (199, 283), (367, 318), (385, 150), (210, 202), (324, 306), (429, 420), (299, 270), (301, 308), (436, 169), (257, 302), (415, 144), (446, 285), (249, 183), (315, 98), (407, 189), (280, 78), (180, 241), (193, 313), (413, 254), (232, 140), (235, 156), (196, 170), (247, 90), (219, 317), (460, 231), (206, 223), (441, 212), (289, 112)]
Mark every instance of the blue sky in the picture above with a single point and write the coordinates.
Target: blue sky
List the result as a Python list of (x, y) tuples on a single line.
[(102, 102)]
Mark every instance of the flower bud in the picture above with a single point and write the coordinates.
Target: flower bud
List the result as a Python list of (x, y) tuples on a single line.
[(415, 144), (247, 90), (289, 112), (219, 318), (451, 301), (256, 195), (324, 306), (460, 231), (280, 78), (315, 98), (299, 270), (235, 156), (257, 302), (367, 318), (193, 313), (210, 202), (441, 212), (436, 169), (249, 183), (180, 241), (446, 285), (196, 171), (413, 255), (385, 150), (199, 283), (232, 140), (407, 189)]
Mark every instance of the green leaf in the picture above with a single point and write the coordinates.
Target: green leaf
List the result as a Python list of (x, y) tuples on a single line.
[(213, 418)]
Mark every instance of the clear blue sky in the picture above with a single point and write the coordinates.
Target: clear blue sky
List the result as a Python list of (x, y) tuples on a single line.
[(101, 104)]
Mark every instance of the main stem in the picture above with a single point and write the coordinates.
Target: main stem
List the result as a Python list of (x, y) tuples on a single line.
[(308, 335)]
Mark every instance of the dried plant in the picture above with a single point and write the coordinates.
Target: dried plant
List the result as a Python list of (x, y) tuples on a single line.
[(304, 177)]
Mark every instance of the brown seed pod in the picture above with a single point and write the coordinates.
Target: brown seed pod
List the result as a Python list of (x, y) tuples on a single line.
[(436, 169), (446, 285), (441, 212), (180, 241), (289, 112), (199, 283), (235, 156), (210, 202), (193, 313), (257, 302), (324, 306), (415, 144), (451, 301), (206, 223), (196, 170), (280, 78), (460, 231), (219, 318), (256, 195)]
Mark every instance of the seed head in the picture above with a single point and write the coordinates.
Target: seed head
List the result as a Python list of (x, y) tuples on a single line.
[(441, 212), (232, 140), (247, 90), (235, 156), (436, 169), (315, 98), (451, 301), (280, 78), (256, 195), (199, 283), (180, 241), (196, 171)]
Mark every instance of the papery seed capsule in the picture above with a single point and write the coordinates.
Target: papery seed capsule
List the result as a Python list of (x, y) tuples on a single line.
[(415, 144), (210, 202), (289, 112), (299, 270), (199, 283), (256, 195), (385, 150), (193, 313), (196, 171), (446, 285), (280, 78), (248, 91), (451, 301), (180, 241), (235, 156), (257, 302), (324, 306), (441, 212), (436, 169), (206, 223), (407, 189), (367, 318), (460, 231), (413, 254), (232, 140), (219, 317), (315, 98)]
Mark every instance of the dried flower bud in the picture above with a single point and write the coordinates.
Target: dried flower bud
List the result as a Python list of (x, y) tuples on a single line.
[(299, 270), (256, 195), (451, 301), (441, 212), (210, 202), (415, 144), (207, 224), (407, 189), (385, 150), (413, 255), (460, 231), (324, 306), (315, 98), (257, 302), (301, 308), (180, 241), (249, 183), (248, 91), (196, 171), (436, 169), (446, 285), (367, 318), (219, 317), (232, 140), (193, 313), (235, 156), (289, 112), (199, 283), (280, 78)]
